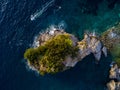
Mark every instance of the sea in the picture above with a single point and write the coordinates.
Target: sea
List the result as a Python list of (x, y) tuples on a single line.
[(21, 21)]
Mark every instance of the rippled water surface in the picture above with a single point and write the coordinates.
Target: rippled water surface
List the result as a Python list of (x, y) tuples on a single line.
[(22, 20)]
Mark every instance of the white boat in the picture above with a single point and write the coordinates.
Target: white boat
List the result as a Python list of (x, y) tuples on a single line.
[(38, 13)]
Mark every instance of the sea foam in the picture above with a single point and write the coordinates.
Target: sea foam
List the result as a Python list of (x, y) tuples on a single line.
[(60, 26)]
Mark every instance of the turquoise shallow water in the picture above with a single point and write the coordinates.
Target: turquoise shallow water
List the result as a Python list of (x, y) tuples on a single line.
[(17, 33)]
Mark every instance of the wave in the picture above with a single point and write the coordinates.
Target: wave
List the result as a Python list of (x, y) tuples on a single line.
[(38, 13), (60, 26), (31, 68), (35, 42)]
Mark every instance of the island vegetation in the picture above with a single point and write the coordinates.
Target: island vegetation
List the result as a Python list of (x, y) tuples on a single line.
[(58, 50), (49, 57)]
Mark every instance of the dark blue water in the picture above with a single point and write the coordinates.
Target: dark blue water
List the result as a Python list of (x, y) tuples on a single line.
[(17, 33)]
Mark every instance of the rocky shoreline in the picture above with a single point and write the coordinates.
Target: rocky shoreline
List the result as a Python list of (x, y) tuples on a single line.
[(111, 39), (114, 75), (90, 44)]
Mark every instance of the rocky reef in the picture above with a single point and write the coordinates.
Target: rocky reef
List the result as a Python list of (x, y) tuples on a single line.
[(111, 39)]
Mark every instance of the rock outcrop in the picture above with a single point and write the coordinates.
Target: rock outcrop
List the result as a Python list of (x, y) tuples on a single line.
[(90, 44), (114, 75), (111, 85), (43, 37), (111, 39)]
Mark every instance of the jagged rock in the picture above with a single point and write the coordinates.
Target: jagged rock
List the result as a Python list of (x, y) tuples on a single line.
[(111, 38), (112, 34), (90, 44), (93, 41), (114, 74), (117, 85), (111, 85), (70, 62), (104, 49), (97, 55), (97, 47), (74, 39)]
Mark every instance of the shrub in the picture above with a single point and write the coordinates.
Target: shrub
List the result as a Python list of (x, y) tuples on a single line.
[(52, 53)]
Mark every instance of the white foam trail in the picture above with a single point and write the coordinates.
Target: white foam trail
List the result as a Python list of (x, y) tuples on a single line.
[(41, 11)]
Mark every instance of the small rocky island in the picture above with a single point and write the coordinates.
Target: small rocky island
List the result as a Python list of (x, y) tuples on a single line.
[(58, 50)]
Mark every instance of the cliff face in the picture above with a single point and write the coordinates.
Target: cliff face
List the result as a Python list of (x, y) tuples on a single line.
[(91, 44)]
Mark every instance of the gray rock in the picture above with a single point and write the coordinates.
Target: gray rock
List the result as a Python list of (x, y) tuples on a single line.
[(90, 44), (97, 55), (104, 49), (111, 85)]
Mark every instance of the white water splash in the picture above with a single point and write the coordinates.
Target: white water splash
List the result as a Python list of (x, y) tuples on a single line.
[(36, 42), (60, 26), (31, 68), (38, 13), (94, 33)]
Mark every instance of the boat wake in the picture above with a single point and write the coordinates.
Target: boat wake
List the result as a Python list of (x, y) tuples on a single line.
[(38, 13)]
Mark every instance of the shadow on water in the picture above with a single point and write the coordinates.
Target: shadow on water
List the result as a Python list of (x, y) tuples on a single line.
[(87, 71)]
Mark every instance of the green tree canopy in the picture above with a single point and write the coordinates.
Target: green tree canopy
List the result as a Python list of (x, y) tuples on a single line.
[(51, 55)]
